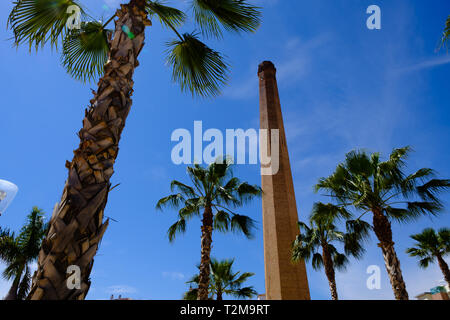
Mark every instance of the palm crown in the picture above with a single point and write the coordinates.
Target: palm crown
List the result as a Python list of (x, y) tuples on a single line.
[(367, 183), (212, 187), (430, 245), (223, 281), (19, 251), (322, 231), (195, 66)]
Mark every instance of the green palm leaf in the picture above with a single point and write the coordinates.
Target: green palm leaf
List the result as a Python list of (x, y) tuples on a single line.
[(37, 21), (232, 15), (221, 221), (244, 224), (429, 245), (24, 285), (167, 15), (176, 228), (196, 67), (85, 51)]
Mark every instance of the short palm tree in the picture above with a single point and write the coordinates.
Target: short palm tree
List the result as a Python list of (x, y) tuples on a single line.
[(431, 245), (381, 187), (18, 252), (321, 233), (223, 281), (214, 190), (92, 50)]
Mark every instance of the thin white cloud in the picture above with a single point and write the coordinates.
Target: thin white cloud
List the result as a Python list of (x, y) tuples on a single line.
[(121, 289), (173, 275), (295, 64), (430, 63)]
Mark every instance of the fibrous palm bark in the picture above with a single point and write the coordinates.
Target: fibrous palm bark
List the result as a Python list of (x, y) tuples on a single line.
[(205, 262), (329, 271), (383, 231), (444, 268), (77, 226)]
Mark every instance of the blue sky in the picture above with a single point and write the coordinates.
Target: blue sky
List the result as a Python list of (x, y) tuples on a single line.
[(341, 85)]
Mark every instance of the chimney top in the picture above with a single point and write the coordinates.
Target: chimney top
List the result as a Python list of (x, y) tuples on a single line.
[(266, 66)]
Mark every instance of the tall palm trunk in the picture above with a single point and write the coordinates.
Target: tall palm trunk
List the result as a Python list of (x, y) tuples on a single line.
[(329, 271), (77, 227), (207, 228), (444, 267), (219, 295), (383, 231), (12, 293)]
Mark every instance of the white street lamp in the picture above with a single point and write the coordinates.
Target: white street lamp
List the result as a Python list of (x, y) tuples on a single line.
[(8, 191)]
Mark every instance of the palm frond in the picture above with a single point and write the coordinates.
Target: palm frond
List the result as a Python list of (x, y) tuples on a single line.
[(196, 67), (247, 192), (425, 262), (85, 51), (444, 240), (340, 261), (31, 234), (176, 228), (432, 188), (191, 294), (9, 248), (359, 163), (191, 208), (409, 185), (183, 188), (317, 261), (24, 285), (417, 252), (357, 232), (242, 278), (167, 15), (221, 221), (244, 224), (232, 15), (300, 251), (328, 212), (37, 21), (174, 200), (414, 210), (12, 270), (245, 293)]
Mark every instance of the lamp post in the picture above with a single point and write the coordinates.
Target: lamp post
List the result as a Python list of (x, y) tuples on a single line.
[(8, 191)]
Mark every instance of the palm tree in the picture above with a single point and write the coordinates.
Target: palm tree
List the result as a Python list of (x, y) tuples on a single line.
[(223, 281), (430, 246), (18, 252), (91, 50), (321, 234), (382, 188), (213, 191)]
